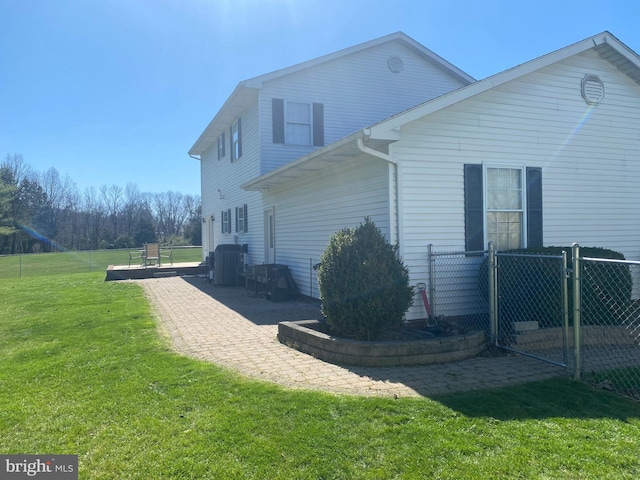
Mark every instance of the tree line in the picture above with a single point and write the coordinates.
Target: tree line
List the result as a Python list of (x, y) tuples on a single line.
[(43, 212)]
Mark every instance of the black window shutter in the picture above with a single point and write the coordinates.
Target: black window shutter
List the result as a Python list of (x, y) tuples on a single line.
[(473, 208), (236, 219), (534, 207), (318, 125), (231, 147), (219, 147), (223, 145), (222, 227), (246, 219), (239, 138), (277, 118)]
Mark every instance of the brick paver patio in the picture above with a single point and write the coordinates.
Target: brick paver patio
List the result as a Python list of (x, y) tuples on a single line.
[(230, 327)]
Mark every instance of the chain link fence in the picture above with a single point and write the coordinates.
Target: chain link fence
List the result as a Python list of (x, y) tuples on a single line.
[(455, 294), (68, 262), (581, 314), (609, 337)]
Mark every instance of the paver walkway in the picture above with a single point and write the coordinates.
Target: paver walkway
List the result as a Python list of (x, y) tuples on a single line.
[(229, 327)]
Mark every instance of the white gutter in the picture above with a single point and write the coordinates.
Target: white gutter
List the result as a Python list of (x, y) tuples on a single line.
[(374, 153), (394, 228)]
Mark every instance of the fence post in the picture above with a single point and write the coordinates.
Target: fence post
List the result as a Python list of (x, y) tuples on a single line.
[(577, 302), (493, 302), (565, 308), (432, 279)]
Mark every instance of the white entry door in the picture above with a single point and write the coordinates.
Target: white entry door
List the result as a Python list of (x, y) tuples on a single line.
[(269, 236)]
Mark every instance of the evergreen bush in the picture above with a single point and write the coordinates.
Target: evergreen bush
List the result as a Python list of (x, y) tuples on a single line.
[(364, 285)]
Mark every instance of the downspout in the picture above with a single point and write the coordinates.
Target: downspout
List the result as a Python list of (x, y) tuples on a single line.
[(394, 227)]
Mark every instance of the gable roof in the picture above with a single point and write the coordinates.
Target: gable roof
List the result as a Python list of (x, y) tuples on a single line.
[(246, 92), (605, 44)]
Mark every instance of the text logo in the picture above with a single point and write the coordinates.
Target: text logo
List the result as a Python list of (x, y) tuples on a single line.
[(47, 467)]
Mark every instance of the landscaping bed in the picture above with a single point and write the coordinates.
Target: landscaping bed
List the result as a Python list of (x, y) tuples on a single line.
[(310, 336)]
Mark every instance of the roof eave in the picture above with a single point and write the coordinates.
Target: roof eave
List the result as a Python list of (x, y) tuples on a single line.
[(294, 169), (384, 128), (237, 102)]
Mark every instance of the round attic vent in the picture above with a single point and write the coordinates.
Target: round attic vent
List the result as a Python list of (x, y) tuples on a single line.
[(395, 64), (592, 89)]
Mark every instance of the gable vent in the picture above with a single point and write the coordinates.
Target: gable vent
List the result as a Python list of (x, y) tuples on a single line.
[(592, 89), (395, 64)]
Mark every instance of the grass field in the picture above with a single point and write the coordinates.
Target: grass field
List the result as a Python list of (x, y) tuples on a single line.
[(30, 265), (85, 371)]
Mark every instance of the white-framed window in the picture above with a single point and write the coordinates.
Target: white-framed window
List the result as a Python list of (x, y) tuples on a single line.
[(235, 138), (225, 223), (241, 219), (298, 123), (505, 217), (221, 146)]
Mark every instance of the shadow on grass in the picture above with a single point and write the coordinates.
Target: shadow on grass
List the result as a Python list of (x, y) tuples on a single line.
[(553, 398)]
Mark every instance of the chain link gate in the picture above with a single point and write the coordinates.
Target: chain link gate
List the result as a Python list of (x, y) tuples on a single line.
[(608, 347), (532, 305)]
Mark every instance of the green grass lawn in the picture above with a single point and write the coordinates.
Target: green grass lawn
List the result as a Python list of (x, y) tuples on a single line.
[(83, 370), (30, 265)]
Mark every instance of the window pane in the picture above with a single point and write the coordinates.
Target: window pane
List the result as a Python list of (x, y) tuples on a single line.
[(504, 229), (298, 134), (298, 112)]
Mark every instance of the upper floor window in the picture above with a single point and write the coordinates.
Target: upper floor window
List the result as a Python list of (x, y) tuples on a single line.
[(297, 123), (221, 146), (236, 140)]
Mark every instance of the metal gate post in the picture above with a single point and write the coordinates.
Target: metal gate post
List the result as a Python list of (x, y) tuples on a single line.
[(493, 301), (565, 308), (577, 302), (432, 280)]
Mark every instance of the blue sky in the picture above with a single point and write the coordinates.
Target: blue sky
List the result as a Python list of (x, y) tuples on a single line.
[(117, 91)]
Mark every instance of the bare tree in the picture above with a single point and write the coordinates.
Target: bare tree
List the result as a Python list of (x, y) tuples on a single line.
[(94, 215), (113, 198)]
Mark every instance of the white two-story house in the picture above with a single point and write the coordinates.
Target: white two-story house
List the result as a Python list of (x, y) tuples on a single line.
[(273, 119), (389, 130)]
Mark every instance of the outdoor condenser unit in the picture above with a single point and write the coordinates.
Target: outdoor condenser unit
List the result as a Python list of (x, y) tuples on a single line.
[(226, 262)]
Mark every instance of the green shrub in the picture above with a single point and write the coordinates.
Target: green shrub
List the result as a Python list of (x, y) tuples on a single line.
[(530, 286), (364, 285)]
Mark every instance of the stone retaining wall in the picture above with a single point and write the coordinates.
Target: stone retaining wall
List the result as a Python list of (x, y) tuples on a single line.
[(302, 336), (547, 338)]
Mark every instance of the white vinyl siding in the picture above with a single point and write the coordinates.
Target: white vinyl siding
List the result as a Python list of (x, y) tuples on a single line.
[(226, 177), (587, 155), (310, 210), (356, 91)]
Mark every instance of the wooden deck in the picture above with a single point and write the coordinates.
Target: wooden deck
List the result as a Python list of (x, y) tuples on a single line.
[(126, 272)]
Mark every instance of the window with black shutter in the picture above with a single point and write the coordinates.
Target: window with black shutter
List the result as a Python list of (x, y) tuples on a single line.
[(297, 123), (509, 193)]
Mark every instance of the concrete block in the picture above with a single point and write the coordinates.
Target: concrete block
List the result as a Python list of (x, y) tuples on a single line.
[(524, 326)]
